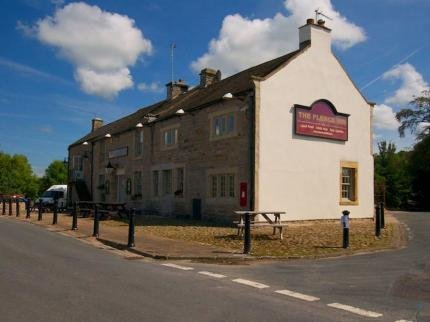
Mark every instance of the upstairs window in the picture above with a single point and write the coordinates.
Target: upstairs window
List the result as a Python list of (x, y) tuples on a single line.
[(138, 143), (170, 137), (223, 125)]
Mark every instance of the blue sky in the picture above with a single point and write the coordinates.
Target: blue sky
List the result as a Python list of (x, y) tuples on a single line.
[(63, 63)]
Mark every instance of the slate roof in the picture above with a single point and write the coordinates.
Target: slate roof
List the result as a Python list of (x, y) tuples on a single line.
[(195, 98)]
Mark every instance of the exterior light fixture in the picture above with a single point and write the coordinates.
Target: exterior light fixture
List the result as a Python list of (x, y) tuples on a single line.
[(109, 168), (139, 124), (180, 111), (227, 95), (107, 135), (85, 143)]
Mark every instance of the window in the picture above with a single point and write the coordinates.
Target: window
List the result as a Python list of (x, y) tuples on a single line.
[(137, 191), (179, 191), (138, 143), (223, 125), (102, 152), (222, 185), (170, 137), (348, 183), (167, 182), (155, 183), (78, 163)]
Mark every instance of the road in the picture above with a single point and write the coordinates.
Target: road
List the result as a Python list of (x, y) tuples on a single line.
[(45, 276)]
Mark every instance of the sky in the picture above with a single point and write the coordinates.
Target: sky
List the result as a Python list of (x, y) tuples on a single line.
[(63, 63)]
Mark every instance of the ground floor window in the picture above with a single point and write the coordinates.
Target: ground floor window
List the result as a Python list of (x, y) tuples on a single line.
[(348, 183), (222, 185), (179, 191), (155, 183), (137, 191), (167, 182)]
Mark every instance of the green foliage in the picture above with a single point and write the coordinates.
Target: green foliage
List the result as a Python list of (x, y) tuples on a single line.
[(413, 118), (420, 172), (56, 173), (16, 176), (392, 179)]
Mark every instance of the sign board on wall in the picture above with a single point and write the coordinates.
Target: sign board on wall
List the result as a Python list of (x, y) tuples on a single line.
[(321, 120), (120, 152)]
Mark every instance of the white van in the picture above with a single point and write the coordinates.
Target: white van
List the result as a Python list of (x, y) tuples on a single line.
[(59, 192)]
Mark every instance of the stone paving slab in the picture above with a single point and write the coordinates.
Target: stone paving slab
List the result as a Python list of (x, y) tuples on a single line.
[(145, 244)]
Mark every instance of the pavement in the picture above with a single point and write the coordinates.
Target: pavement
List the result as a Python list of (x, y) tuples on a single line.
[(145, 244)]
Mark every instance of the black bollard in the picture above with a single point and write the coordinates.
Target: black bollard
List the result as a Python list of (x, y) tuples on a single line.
[(377, 221), (381, 207), (40, 211), (17, 210), (247, 236), (27, 207), (75, 216), (55, 214), (131, 228), (4, 207), (345, 225), (10, 207), (96, 222)]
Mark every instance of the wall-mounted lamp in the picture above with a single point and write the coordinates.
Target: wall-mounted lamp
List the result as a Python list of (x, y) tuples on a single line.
[(139, 125), (107, 135), (109, 168), (180, 112), (85, 143), (227, 95)]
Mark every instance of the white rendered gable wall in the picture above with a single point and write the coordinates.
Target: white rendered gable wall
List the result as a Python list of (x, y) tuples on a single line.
[(299, 174)]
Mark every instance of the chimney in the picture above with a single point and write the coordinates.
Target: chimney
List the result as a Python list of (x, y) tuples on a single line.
[(208, 76), (96, 123), (317, 34), (176, 88)]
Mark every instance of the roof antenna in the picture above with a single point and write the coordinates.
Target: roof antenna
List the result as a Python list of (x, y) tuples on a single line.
[(172, 49), (318, 13)]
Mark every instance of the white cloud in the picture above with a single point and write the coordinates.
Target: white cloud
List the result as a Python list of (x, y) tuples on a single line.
[(412, 83), (384, 118), (100, 44), (152, 87), (243, 42)]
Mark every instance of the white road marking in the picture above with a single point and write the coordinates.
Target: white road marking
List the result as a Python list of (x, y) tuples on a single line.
[(212, 274), (403, 321), (250, 283), (184, 268), (355, 310), (300, 296)]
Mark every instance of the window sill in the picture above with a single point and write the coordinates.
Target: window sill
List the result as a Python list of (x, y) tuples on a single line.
[(348, 203), (222, 137)]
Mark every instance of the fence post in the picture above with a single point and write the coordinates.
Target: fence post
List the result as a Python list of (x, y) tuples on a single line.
[(247, 235), (4, 207), (17, 210), (40, 211), (131, 215), (377, 221), (27, 207), (75, 216), (10, 207), (96, 222), (381, 205), (55, 214)]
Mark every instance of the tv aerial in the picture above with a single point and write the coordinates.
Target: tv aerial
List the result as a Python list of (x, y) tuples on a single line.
[(319, 13)]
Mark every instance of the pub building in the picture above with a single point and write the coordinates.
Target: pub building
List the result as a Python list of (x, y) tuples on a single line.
[(292, 134)]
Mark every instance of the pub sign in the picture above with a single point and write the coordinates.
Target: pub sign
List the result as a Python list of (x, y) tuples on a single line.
[(321, 120)]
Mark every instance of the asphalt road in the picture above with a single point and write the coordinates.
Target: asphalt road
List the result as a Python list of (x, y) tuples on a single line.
[(45, 276)]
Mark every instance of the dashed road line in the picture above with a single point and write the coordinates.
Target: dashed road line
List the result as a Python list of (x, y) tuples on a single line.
[(403, 321), (212, 274), (250, 283), (297, 295), (184, 268), (355, 310)]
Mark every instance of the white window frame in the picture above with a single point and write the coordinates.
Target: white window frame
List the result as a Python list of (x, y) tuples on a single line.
[(167, 132)]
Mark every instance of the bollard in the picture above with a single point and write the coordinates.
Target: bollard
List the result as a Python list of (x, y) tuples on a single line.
[(27, 207), (345, 225), (17, 207), (4, 207), (75, 216), (247, 235), (381, 207), (377, 221), (40, 211), (131, 228), (55, 214), (96, 222), (10, 207)]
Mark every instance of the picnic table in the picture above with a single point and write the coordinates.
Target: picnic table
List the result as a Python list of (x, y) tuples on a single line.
[(275, 222), (105, 209)]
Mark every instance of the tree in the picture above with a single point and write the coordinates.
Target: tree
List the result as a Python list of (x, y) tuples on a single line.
[(416, 119), (56, 173), (420, 172), (16, 176), (391, 172)]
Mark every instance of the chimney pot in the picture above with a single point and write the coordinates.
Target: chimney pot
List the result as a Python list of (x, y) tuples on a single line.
[(208, 76), (176, 88), (310, 21), (96, 123)]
